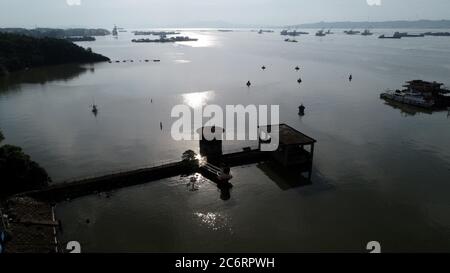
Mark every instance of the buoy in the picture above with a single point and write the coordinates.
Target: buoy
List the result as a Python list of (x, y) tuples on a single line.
[(263, 68), (299, 80), (301, 110), (297, 68), (350, 78), (94, 109), (249, 83)]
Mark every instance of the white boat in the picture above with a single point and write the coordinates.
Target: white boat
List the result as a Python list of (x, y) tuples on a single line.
[(408, 97)]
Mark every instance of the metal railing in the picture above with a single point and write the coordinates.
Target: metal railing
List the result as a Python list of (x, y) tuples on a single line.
[(139, 167), (119, 171)]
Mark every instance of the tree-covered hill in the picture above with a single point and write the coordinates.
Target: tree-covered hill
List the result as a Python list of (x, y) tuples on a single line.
[(19, 52)]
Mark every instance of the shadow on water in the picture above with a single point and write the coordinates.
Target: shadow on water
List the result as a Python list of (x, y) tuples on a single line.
[(225, 191), (286, 179), (409, 110), (42, 75)]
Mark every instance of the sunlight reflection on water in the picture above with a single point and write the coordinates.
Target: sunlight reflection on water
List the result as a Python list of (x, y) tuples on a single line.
[(214, 221), (197, 99)]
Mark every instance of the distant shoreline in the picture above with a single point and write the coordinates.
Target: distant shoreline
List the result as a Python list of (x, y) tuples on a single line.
[(400, 24)]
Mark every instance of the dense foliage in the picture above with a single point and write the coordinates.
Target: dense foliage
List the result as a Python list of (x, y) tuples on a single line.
[(190, 161), (57, 32), (19, 52), (18, 173)]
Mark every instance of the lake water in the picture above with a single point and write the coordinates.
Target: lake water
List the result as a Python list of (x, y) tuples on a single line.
[(380, 172)]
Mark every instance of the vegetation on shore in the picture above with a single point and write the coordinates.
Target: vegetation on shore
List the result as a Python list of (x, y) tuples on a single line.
[(190, 161), (57, 32), (18, 173), (19, 52)]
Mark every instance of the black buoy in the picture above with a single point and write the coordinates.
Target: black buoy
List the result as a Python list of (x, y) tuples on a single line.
[(249, 83), (297, 68), (94, 110), (299, 80), (350, 78), (301, 110), (263, 68)]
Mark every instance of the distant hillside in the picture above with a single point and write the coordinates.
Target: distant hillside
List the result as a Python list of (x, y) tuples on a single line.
[(18, 52), (421, 24), (56, 32)]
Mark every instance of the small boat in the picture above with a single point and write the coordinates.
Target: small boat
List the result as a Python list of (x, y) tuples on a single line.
[(366, 32), (115, 31), (94, 109), (352, 32), (321, 33), (156, 61)]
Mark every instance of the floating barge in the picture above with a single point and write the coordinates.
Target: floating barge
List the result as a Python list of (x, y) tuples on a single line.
[(420, 93), (165, 40), (293, 33), (156, 33)]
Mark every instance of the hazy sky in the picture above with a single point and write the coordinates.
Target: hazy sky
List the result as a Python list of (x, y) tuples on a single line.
[(148, 13)]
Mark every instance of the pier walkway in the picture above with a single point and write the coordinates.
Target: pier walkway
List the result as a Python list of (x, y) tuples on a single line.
[(290, 154)]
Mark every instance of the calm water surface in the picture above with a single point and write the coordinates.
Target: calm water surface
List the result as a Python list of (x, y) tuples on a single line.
[(381, 172)]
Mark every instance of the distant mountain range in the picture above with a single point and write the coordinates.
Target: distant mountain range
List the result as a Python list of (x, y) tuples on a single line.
[(420, 24)]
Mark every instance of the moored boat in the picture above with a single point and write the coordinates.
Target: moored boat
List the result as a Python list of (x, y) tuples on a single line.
[(408, 97)]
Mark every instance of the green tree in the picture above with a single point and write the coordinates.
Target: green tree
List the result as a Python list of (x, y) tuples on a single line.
[(190, 161), (18, 173)]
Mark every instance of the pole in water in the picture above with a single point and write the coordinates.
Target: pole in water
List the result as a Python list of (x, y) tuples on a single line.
[(160, 125)]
